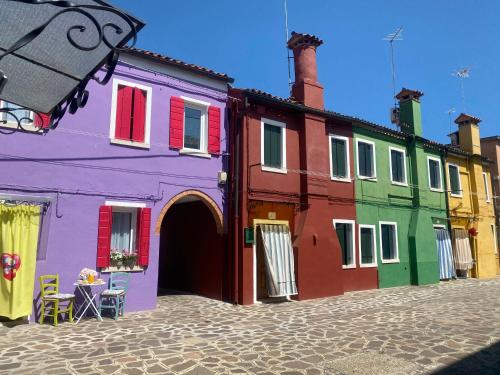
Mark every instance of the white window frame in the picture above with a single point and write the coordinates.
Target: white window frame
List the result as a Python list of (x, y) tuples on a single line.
[(348, 159), (128, 207), (459, 180), (353, 239), (403, 151), (114, 100), (203, 107), (374, 244), (486, 187), (13, 124), (374, 159), (282, 125), (440, 188), (395, 225), (495, 240)]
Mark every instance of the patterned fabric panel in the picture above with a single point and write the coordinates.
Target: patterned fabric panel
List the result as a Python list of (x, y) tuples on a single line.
[(60, 296), (113, 292)]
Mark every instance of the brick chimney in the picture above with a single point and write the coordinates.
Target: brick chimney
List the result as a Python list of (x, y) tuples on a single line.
[(306, 88), (410, 116), (468, 133)]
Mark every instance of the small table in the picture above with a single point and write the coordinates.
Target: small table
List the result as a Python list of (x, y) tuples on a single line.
[(89, 297)]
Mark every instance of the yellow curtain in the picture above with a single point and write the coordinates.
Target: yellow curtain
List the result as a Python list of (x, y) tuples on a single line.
[(19, 230)]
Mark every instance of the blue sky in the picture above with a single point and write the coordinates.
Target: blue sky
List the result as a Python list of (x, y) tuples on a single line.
[(246, 39)]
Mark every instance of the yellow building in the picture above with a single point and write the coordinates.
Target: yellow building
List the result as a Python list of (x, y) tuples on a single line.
[(470, 196)]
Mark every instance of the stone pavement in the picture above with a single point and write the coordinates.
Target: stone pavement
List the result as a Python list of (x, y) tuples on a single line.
[(410, 330)]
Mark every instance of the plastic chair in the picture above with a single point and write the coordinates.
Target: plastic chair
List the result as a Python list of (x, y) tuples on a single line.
[(52, 299), (114, 297)]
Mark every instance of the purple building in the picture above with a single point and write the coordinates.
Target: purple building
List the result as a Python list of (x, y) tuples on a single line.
[(140, 169)]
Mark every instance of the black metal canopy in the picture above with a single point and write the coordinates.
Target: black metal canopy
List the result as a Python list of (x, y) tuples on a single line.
[(50, 49)]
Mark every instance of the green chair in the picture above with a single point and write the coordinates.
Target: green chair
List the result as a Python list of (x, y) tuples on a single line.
[(53, 302), (114, 297)]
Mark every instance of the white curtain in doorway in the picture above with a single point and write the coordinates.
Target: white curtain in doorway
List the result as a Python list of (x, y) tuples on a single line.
[(461, 250), (279, 260), (445, 254)]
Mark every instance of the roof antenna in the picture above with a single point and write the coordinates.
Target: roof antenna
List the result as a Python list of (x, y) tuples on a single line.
[(288, 57), (461, 74), (392, 37)]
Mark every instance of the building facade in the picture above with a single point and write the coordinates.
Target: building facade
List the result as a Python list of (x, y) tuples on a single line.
[(126, 181), (471, 204)]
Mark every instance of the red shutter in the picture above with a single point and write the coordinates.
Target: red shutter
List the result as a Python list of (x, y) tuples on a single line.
[(104, 236), (143, 232), (139, 121), (123, 112), (41, 120), (213, 130), (176, 122)]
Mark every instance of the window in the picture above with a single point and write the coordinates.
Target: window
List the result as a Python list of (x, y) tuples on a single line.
[(494, 235), (389, 242), (7, 120), (123, 229), (367, 247), (339, 158), (455, 184), (131, 114), (366, 159), (195, 125), (434, 170), (345, 233), (397, 161), (273, 146), (486, 187)]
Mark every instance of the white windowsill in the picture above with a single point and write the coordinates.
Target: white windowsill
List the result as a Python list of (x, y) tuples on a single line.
[(456, 195), (29, 128), (390, 260), (368, 178), (197, 153), (129, 143), (274, 170), (341, 179), (370, 265), (436, 190), (399, 183), (349, 267), (122, 269)]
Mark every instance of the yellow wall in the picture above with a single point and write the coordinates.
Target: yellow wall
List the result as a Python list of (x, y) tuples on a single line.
[(472, 210)]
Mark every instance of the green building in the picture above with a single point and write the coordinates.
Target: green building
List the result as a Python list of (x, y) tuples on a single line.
[(400, 196)]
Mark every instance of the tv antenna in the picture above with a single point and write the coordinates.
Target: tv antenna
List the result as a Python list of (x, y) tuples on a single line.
[(288, 57), (393, 37), (461, 74)]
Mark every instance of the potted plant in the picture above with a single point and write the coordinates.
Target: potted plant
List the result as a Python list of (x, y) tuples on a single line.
[(116, 258), (129, 259)]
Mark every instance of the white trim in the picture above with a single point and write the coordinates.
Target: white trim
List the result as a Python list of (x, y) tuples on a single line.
[(486, 187), (374, 160), (353, 240), (195, 101), (495, 240), (347, 156), (440, 188), (459, 180), (403, 151), (112, 122), (197, 153), (27, 198), (395, 225), (374, 244), (282, 125), (125, 204), (439, 226)]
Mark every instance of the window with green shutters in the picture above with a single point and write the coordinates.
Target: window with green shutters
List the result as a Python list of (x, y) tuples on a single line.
[(455, 185), (389, 242), (398, 166), (273, 147), (366, 159), (339, 158), (345, 234), (367, 245), (434, 166)]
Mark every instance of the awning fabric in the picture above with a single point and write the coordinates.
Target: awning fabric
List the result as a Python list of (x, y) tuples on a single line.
[(280, 272), (445, 254), (461, 250)]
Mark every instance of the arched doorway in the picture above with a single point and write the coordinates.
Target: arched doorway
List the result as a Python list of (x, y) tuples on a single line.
[(191, 254)]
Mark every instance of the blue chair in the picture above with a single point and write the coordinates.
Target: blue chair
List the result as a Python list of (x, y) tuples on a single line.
[(114, 297)]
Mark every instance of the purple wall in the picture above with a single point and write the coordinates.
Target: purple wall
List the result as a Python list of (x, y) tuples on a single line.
[(78, 160)]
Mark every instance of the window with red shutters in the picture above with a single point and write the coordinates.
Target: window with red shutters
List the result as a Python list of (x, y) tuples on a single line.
[(104, 236), (130, 122), (143, 236)]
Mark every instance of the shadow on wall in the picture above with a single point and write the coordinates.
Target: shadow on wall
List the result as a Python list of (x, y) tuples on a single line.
[(484, 362)]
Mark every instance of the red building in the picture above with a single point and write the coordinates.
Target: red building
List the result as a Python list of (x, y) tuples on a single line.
[(290, 191)]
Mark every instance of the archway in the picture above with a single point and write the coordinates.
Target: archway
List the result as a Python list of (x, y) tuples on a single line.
[(191, 254)]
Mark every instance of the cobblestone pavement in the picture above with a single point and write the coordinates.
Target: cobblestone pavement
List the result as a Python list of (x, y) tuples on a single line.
[(409, 330)]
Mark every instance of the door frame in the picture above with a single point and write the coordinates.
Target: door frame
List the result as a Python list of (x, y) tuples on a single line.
[(257, 222)]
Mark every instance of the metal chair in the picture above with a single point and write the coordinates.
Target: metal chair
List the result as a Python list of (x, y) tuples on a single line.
[(52, 299), (114, 297)]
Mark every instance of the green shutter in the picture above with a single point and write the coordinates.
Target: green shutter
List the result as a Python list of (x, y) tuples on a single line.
[(366, 244), (272, 146), (365, 161), (386, 241), (397, 166), (339, 158), (454, 179), (434, 174)]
